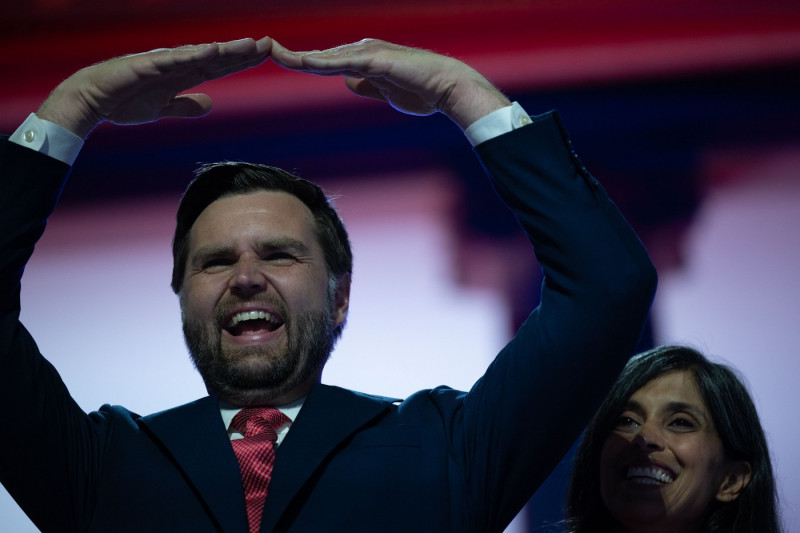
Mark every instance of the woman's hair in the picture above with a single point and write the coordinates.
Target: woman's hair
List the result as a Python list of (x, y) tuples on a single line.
[(736, 421), (218, 180)]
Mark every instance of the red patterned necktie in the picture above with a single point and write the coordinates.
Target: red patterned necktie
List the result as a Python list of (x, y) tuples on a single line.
[(256, 455)]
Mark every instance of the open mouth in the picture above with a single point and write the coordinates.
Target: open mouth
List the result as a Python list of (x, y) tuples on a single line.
[(252, 322), (649, 475)]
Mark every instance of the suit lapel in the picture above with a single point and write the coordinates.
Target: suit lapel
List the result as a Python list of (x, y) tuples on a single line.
[(195, 438), (329, 416)]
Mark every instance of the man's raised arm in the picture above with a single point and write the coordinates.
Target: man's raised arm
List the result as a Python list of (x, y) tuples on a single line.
[(532, 403)]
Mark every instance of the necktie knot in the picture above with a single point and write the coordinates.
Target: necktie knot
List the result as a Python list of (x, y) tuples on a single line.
[(261, 421)]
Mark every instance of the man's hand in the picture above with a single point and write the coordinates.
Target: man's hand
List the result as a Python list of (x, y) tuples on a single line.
[(141, 88), (411, 80)]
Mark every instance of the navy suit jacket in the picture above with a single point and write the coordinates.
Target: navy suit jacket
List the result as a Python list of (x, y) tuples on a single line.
[(441, 460)]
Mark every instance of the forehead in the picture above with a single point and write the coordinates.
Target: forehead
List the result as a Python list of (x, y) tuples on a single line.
[(259, 214), (673, 386)]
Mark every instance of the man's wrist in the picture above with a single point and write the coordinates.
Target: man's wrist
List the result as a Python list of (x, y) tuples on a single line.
[(66, 107)]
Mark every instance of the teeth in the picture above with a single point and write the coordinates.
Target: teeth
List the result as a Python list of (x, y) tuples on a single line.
[(250, 315), (649, 475)]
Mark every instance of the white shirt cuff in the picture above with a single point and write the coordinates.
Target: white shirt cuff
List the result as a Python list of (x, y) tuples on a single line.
[(497, 123), (48, 138)]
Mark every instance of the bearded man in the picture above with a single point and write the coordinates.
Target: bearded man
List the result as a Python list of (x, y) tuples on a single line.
[(262, 268)]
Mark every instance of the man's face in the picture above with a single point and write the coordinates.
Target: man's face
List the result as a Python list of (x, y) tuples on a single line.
[(258, 309)]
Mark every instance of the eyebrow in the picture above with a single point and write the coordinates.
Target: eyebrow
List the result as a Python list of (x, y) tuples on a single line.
[(284, 243), (281, 243)]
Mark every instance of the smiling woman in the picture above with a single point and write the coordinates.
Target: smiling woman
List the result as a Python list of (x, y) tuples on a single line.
[(676, 447)]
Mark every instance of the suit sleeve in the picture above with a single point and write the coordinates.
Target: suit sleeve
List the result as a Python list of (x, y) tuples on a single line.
[(46, 438), (536, 397)]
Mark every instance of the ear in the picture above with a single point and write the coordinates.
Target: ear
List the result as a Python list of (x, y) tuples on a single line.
[(737, 478), (341, 301)]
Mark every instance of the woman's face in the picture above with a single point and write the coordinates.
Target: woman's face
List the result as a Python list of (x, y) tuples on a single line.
[(663, 462)]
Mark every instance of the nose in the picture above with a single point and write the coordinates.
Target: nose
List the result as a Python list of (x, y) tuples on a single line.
[(648, 437), (247, 278)]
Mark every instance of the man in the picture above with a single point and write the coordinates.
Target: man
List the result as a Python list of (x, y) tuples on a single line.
[(262, 270)]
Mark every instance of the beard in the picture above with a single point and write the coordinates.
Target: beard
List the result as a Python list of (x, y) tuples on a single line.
[(259, 375)]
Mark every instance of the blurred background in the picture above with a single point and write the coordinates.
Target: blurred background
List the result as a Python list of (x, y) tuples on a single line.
[(688, 112)]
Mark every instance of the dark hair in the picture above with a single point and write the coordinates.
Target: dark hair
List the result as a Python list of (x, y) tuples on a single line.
[(736, 421), (218, 180)]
